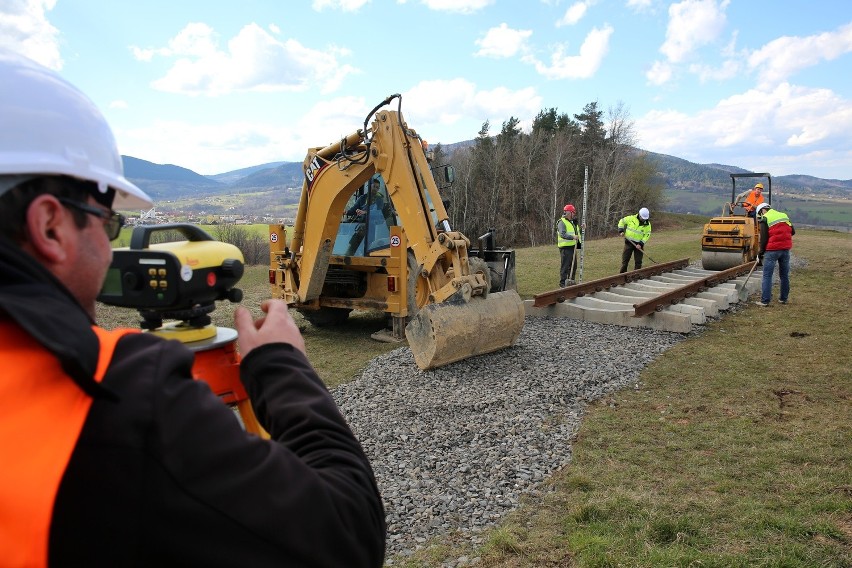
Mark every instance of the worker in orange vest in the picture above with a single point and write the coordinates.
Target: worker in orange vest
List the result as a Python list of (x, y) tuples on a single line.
[(112, 454), (750, 199)]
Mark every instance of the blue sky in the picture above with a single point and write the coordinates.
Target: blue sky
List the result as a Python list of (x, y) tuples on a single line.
[(215, 86)]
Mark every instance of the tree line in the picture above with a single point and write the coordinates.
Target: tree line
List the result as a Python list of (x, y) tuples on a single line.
[(518, 183)]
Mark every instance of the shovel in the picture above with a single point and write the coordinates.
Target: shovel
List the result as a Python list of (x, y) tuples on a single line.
[(744, 291), (643, 252), (571, 270)]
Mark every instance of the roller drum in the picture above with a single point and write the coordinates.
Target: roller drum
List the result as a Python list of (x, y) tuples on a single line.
[(721, 260)]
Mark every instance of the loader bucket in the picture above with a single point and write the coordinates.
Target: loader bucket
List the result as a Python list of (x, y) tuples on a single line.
[(443, 333)]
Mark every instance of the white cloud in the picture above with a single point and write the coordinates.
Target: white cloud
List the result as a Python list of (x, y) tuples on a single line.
[(433, 108), (435, 105), (727, 70), (344, 5), (692, 24), (459, 6), (24, 29), (659, 73), (638, 5), (503, 41), (787, 120), (573, 14), (582, 66), (204, 148), (119, 104), (215, 147), (783, 57), (254, 60)]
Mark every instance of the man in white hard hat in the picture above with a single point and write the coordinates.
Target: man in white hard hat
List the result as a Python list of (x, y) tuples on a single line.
[(776, 240), (636, 230), (113, 454)]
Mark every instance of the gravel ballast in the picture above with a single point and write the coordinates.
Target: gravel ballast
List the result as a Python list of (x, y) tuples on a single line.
[(454, 448)]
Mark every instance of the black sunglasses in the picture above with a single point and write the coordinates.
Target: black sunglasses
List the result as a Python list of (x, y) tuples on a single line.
[(113, 222)]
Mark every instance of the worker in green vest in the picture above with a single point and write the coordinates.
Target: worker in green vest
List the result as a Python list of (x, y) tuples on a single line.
[(568, 239), (776, 240), (636, 230)]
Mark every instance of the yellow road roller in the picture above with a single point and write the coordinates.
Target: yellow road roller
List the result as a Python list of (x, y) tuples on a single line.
[(733, 237)]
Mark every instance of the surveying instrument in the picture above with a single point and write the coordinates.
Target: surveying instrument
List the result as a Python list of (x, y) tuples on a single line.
[(181, 282)]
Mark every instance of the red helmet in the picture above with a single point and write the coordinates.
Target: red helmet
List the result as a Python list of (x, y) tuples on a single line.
[(570, 208)]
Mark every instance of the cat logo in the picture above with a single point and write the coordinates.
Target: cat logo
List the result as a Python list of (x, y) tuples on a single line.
[(314, 168)]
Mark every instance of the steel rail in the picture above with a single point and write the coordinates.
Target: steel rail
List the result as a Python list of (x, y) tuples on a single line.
[(674, 296), (653, 304), (560, 295)]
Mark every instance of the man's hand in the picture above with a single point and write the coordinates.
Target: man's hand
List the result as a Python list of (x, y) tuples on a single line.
[(276, 327)]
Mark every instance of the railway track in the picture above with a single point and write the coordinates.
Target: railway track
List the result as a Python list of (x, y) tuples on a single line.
[(671, 296)]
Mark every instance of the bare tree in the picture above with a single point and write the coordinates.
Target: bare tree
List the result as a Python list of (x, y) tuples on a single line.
[(518, 182)]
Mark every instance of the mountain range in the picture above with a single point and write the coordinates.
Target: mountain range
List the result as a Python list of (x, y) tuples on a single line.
[(682, 179)]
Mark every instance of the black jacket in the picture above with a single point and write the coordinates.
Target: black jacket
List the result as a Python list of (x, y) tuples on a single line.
[(163, 475)]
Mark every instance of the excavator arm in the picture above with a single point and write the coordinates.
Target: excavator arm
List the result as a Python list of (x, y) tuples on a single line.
[(313, 273)]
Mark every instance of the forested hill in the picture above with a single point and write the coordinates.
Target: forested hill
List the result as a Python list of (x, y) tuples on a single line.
[(678, 173), (167, 181)]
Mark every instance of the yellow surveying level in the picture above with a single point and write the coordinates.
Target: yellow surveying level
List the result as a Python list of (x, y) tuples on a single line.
[(182, 281)]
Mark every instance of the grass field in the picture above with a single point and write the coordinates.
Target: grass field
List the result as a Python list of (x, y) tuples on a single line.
[(734, 451), (803, 210)]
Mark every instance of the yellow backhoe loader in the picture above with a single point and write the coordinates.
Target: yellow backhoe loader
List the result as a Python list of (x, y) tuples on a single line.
[(372, 232), (733, 237)]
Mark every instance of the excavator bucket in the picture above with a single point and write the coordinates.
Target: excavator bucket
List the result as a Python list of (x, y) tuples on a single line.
[(443, 333)]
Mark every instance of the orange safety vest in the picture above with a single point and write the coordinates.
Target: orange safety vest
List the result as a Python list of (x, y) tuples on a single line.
[(752, 201), (43, 412)]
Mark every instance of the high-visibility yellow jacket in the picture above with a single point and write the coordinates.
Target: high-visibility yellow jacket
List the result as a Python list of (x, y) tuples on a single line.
[(634, 230), (776, 231), (568, 233)]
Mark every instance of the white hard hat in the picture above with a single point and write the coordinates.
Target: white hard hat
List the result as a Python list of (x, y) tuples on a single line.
[(644, 213), (49, 127), (761, 207)]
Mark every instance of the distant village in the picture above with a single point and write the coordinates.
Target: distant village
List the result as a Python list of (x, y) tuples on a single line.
[(154, 217)]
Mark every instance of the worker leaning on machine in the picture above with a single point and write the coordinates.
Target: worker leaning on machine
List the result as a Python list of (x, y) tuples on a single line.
[(750, 199), (113, 454)]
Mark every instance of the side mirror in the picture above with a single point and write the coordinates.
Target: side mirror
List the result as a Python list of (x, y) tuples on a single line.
[(449, 174)]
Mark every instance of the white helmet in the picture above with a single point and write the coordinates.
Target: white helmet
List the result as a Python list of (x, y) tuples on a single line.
[(644, 214), (760, 208), (49, 127)]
